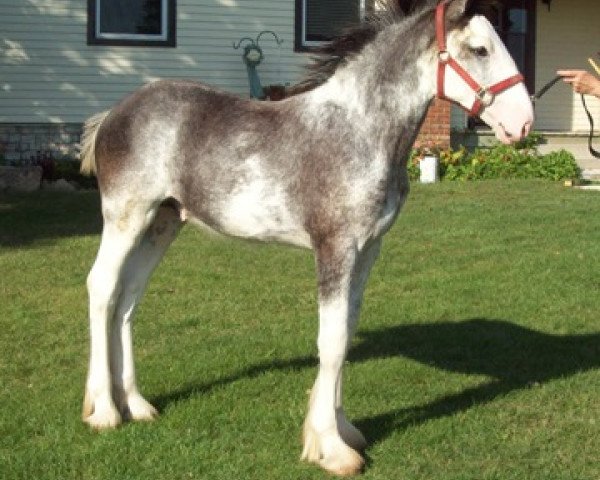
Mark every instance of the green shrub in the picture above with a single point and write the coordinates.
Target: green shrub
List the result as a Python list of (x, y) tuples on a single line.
[(500, 161), (69, 170)]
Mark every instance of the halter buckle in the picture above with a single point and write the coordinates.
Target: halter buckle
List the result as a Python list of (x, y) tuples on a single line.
[(486, 97), (444, 56)]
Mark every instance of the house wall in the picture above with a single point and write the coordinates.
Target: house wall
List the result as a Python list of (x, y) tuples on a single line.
[(49, 74), (566, 35)]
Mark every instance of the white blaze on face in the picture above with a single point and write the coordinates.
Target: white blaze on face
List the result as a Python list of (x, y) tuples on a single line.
[(510, 114)]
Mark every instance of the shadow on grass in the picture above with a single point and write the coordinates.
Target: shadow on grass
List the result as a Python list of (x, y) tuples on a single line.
[(27, 218), (516, 358), (191, 390)]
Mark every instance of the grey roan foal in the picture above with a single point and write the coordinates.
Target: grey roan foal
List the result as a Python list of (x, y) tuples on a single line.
[(325, 169)]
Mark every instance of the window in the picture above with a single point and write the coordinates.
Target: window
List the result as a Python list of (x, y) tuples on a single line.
[(131, 22), (318, 21)]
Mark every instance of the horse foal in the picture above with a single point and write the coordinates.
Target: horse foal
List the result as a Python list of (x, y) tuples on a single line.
[(325, 169)]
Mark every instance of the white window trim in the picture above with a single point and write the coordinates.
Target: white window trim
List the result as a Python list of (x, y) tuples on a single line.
[(136, 36), (312, 43)]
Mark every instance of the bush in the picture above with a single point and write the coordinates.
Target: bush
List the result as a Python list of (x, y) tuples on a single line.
[(500, 161), (66, 168), (69, 170)]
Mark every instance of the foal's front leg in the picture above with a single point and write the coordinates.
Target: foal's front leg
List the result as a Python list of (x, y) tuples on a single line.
[(365, 261), (328, 436)]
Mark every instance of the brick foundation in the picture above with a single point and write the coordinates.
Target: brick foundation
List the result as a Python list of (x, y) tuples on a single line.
[(435, 132), (22, 144)]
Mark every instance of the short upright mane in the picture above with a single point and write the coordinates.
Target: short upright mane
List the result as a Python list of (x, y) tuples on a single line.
[(329, 56)]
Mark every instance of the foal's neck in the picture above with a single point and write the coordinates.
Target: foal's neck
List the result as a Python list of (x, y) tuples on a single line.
[(384, 92)]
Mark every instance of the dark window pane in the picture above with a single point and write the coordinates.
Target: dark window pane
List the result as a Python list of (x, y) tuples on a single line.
[(326, 19), (130, 16), (515, 35), (517, 20)]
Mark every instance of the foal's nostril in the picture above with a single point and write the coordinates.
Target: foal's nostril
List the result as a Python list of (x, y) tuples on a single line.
[(525, 129)]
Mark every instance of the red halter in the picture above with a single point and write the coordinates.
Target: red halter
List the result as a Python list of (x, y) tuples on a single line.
[(484, 95)]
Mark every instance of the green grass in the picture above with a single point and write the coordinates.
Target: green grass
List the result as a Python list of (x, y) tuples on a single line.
[(477, 356)]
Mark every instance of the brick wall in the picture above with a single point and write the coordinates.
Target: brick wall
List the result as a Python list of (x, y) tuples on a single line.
[(20, 144), (436, 129)]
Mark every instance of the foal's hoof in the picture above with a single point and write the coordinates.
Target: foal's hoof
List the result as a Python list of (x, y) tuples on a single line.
[(331, 453), (138, 409), (99, 414), (343, 464), (103, 420)]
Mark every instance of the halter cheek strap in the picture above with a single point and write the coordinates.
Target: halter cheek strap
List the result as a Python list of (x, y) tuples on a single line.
[(484, 96)]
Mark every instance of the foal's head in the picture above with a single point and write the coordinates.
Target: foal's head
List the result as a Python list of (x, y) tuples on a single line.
[(502, 101)]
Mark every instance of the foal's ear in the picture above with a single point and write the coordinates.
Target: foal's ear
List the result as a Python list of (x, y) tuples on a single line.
[(456, 8)]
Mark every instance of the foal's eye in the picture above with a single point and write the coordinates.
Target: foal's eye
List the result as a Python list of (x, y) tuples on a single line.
[(479, 51)]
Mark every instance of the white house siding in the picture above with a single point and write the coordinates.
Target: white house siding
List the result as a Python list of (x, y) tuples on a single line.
[(48, 73), (567, 35)]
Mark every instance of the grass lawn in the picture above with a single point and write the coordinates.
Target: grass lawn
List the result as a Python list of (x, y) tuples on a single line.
[(477, 355)]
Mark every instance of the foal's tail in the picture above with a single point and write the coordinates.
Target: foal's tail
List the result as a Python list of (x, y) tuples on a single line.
[(87, 147)]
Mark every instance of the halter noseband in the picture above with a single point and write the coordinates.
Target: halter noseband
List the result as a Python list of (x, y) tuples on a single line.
[(484, 95)]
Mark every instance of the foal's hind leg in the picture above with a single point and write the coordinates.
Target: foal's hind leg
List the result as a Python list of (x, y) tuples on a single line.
[(138, 268), (329, 439), (122, 232)]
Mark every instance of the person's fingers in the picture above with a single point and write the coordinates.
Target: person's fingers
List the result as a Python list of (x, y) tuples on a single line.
[(567, 73)]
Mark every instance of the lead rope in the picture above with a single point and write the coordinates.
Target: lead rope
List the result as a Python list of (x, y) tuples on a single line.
[(595, 153), (545, 88), (592, 150)]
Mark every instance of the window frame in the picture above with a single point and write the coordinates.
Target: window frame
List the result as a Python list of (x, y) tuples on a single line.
[(168, 24), (300, 42)]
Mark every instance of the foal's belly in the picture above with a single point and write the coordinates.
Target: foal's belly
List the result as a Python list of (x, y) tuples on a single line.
[(262, 221), (243, 198), (259, 210)]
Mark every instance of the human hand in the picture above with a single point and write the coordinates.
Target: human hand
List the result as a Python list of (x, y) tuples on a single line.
[(581, 81)]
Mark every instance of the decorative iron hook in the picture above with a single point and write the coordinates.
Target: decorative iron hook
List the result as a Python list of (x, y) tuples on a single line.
[(256, 42), (277, 39)]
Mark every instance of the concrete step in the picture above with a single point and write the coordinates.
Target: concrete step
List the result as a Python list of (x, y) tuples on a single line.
[(590, 173), (577, 144)]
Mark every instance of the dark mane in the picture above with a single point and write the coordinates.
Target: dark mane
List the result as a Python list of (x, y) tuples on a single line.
[(326, 59)]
